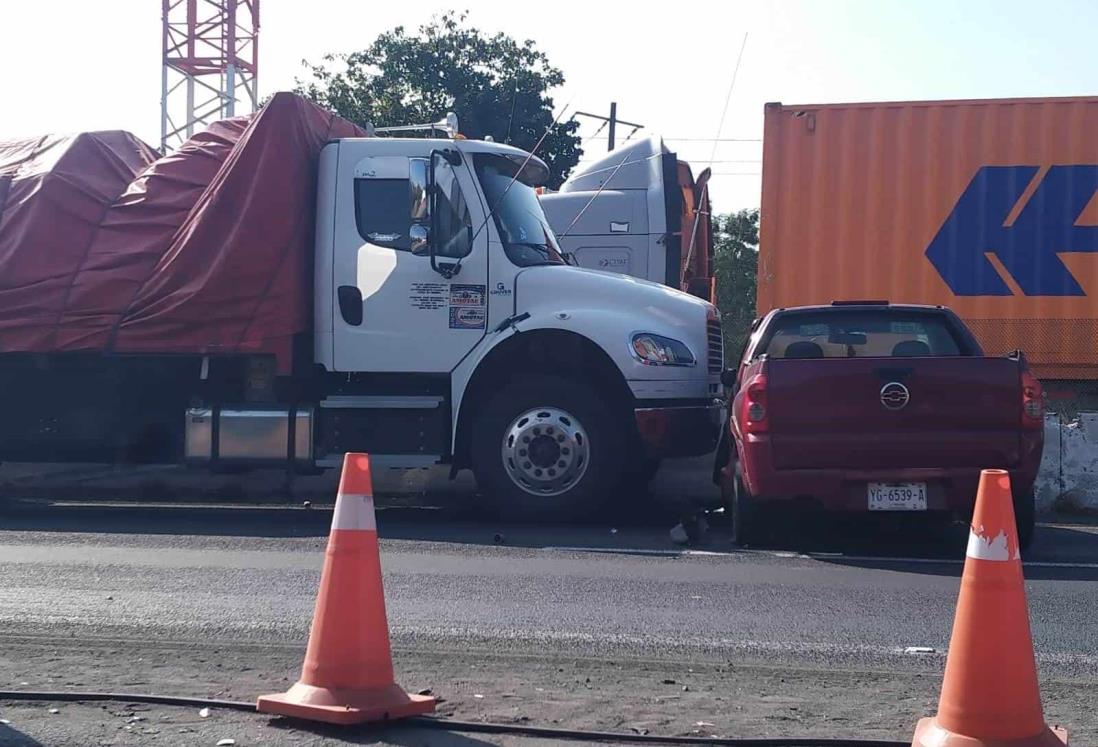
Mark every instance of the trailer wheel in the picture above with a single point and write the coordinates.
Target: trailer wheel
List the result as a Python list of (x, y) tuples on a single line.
[(546, 447)]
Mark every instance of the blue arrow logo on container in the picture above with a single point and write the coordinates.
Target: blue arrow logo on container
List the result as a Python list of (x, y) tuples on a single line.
[(1028, 248)]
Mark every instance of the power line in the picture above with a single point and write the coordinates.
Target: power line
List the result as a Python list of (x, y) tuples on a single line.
[(739, 160), (715, 139)]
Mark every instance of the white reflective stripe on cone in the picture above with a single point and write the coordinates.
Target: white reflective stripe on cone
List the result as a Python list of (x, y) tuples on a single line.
[(354, 511), (990, 548)]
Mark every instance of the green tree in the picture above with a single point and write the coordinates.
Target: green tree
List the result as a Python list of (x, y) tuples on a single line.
[(496, 85), (736, 261)]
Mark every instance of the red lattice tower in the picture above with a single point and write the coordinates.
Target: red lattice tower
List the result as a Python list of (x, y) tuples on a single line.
[(211, 64)]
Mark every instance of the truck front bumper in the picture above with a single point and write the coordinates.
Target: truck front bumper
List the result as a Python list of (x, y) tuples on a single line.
[(669, 429)]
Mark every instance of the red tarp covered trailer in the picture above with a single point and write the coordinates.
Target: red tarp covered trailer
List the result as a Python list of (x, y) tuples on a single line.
[(208, 250)]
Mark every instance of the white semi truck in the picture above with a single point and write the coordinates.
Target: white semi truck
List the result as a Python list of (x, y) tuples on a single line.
[(638, 210), (447, 328)]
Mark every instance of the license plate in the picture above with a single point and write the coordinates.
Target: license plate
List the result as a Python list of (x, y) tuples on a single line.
[(897, 496)]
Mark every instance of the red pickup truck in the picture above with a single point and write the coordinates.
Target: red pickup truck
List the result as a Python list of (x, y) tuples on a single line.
[(871, 406)]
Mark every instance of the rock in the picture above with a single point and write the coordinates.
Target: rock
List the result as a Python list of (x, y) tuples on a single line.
[(204, 713), (226, 743), (679, 535), (55, 710), (424, 691), (498, 538), (919, 650), (668, 682)]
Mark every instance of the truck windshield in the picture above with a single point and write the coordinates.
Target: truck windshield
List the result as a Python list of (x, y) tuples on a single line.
[(526, 235), (861, 334)]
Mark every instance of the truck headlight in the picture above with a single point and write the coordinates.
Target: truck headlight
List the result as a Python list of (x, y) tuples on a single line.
[(656, 350)]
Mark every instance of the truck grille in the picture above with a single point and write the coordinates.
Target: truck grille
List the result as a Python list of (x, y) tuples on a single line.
[(715, 339)]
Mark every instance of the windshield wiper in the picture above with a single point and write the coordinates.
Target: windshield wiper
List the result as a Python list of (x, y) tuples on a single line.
[(550, 253)]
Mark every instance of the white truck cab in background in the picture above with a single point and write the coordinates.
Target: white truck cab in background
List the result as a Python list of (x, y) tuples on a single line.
[(451, 330), (639, 211)]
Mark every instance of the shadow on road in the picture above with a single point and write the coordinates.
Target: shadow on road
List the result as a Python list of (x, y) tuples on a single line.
[(406, 736), (10, 737), (627, 530), (1067, 572), (861, 539), (456, 524)]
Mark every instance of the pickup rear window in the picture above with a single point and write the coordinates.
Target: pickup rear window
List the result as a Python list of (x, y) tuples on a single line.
[(877, 333)]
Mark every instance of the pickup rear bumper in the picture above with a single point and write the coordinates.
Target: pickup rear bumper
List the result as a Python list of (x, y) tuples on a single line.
[(671, 430), (948, 489)]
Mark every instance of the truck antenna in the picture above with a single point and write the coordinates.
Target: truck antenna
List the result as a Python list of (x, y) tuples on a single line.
[(707, 172)]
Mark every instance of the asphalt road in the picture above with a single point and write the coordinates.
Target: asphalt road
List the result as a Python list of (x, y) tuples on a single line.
[(170, 597), (250, 575)]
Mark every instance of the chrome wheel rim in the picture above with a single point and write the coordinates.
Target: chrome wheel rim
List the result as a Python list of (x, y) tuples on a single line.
[(545, 451)]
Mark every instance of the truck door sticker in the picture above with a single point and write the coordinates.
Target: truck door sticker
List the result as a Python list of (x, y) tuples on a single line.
[(428, 296), (468, 317), (467, 306), (466, 295), (1028, 249)]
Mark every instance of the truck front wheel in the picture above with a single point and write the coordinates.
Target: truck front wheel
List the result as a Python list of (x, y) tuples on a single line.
[(546, 447)]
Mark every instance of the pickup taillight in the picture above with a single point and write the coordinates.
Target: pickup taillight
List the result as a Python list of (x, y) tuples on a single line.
[(1033, 404), (754, 416)]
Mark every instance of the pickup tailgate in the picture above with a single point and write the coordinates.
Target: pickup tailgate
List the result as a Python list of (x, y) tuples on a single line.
[(850, 413)]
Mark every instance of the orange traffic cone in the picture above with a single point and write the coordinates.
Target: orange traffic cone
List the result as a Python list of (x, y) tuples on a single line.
[(348, 673), (990, 696)]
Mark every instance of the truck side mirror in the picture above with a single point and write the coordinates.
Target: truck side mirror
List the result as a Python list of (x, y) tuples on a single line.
[(419, 237), (439, 158), (417, 189)]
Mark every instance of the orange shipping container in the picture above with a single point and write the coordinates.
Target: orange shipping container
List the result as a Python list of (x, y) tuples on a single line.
[(988, 207)]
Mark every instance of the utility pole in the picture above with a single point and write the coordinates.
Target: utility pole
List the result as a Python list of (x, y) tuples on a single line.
[(613, 123)]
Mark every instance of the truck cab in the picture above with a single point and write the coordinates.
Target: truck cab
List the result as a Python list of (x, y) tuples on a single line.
[(450, 328), (638, 210)]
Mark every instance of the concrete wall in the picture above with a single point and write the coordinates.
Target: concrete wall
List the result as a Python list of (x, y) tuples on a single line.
[(1069, 470)]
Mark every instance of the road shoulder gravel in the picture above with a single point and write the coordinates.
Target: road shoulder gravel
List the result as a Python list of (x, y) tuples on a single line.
[(682, 698)]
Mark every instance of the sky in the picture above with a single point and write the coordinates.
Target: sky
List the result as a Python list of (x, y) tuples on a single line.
[(72, 65)]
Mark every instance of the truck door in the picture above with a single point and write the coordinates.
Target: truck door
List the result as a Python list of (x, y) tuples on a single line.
[(392, 311)]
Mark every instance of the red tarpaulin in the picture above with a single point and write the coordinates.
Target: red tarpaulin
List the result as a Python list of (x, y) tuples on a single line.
[(208, 250)]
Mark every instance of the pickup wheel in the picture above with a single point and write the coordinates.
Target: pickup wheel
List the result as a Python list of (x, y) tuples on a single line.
[(1025, 517), (547, 448), (745, 514)]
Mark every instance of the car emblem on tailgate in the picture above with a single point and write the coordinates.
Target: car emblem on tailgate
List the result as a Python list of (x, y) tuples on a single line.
[(894, 396)]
